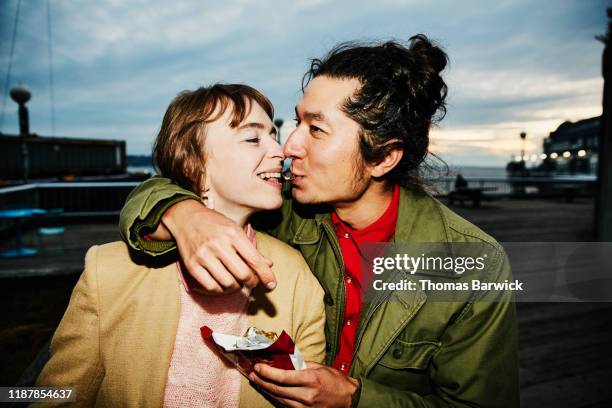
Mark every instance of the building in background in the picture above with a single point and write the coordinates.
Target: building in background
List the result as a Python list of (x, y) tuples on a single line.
[(28, 156), (572, 148), (39, 157)]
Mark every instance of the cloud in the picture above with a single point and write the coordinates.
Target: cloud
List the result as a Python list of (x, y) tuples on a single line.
[(515, 65)]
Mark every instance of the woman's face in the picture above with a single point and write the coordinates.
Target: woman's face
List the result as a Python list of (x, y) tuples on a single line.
[(243, 165)]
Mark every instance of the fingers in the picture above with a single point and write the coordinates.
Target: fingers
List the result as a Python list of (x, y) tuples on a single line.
[(211, 273), (241, 271), (288, 396), (283, 377), (288, 403), (208, 284), (258, 263), (272, 398), (283, 401), (220, 274), (313, 364), (213, 256), (217, 252)]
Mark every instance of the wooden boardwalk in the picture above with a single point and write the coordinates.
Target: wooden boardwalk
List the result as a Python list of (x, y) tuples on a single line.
[(564, 361), (563, 347)]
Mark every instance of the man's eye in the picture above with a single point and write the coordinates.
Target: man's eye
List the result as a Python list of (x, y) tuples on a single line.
[(315, 129), (297, 120), (253, 140)]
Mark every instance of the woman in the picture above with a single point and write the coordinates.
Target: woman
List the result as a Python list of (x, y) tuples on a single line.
[(130, 335)]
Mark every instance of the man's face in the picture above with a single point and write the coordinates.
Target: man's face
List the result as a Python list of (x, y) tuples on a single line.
[(327, 164)]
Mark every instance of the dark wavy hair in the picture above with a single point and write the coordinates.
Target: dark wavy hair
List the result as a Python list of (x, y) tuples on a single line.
[(402, 94)]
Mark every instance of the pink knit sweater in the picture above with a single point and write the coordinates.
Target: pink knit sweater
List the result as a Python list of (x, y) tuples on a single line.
[(198, 377)]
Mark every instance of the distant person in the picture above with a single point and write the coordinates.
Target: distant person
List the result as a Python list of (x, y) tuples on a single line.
[(460, 182), (362, 132), (131, 334)]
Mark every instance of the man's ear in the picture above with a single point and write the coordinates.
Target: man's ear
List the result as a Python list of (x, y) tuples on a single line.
[(388, 163)]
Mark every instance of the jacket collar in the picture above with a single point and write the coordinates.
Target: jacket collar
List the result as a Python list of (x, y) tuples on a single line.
[(419, 219)]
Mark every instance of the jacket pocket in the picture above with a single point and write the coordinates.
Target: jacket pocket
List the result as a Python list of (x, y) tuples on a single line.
[(405, 355)]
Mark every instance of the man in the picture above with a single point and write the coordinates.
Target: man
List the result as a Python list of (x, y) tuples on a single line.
[(360, 140)]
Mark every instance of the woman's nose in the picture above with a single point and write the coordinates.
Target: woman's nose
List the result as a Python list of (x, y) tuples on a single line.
[(275, 151)]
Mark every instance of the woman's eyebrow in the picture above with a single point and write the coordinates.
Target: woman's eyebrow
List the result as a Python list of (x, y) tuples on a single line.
[(250, 125), (257, 125)]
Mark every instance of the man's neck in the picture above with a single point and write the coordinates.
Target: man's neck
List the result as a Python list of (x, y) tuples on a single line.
[(366, 209)]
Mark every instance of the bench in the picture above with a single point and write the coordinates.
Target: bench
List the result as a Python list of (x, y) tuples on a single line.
[(473, 194)]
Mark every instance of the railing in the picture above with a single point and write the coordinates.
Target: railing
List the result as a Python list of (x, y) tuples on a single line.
[(77, 199), (107, 198), (520, 186)]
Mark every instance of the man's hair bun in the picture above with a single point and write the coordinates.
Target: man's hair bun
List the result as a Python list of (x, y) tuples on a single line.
[(436, 58), (402, 93)]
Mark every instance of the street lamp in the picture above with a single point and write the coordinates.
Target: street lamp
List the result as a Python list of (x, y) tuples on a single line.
[(21, 95), (523, 137), (278, 122)]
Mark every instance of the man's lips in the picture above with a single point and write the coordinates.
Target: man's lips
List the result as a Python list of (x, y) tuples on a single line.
[(296, 173), (296, 179)]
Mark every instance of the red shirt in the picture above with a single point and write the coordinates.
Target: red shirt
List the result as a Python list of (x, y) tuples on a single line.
[(381, 230)]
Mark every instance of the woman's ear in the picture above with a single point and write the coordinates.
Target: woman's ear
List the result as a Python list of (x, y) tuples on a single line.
[(206, 193), (207, 197)]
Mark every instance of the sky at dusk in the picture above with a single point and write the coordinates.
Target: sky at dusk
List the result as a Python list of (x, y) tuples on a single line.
[(514, 65)]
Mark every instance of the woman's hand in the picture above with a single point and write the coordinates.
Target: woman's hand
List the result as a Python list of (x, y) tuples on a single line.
[(215, 250)]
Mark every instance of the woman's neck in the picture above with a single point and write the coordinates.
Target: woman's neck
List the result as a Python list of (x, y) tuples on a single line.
[(239, 215), (235, 212)]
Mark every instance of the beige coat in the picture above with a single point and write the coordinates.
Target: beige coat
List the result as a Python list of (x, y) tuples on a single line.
[(115, 341)]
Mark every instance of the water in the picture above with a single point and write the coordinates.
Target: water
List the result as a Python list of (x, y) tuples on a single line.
[(469, 172), (476, 172), (141, 169)]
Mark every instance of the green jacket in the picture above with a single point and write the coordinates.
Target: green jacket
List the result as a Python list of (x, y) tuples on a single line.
[(410, 352)]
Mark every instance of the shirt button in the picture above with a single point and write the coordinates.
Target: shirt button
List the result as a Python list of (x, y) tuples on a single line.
[(349, 322), (349, 280), (346, 235), (329, 301), (343, 366), (397, 353)]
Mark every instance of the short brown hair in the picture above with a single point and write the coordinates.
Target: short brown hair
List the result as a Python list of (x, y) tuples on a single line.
[(178, 150)]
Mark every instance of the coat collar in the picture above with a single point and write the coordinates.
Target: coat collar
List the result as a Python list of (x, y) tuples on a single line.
[(419, 219)]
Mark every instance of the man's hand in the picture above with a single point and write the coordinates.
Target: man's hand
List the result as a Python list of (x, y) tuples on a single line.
[(215, 250), (316, 386)]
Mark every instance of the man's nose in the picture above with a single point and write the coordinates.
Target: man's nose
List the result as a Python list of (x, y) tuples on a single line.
[(294, 146)]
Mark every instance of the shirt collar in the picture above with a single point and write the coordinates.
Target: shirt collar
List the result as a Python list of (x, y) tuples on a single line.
[(385, 223)]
